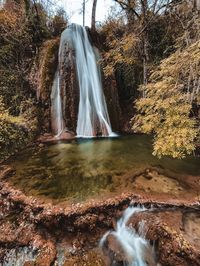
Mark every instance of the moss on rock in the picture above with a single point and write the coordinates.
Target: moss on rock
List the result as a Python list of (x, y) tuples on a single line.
[(16, 131), (47, 67)]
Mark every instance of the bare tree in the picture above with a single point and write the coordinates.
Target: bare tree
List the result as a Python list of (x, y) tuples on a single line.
[(83, 13), (94, 15), (143, 12)]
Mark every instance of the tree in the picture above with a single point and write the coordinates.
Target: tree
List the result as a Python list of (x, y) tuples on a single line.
[(170, 109), (58, 22), (141, 14), (24, 26), (21, 36), (93, 27), (83, 13)]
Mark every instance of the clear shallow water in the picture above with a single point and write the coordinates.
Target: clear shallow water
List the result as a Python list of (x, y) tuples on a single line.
[(90, 168)]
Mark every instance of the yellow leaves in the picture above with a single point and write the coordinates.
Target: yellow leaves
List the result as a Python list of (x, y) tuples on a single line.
[(175, 136), (122, 50), (128, 42), (108, 70), (166, 111), (15, 131), (11, 16), (18, 120), (118, 58), (179, 63), (114, 43), (176, 142), (175, 132), (7, 18)]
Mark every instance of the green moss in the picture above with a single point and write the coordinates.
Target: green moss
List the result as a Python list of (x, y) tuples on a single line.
[(16, 132), (47, 67)]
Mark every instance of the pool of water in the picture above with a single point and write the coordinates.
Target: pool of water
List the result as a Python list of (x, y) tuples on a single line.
[(87, 168)]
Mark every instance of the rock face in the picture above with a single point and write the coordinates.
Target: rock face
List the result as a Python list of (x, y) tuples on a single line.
[(112, 100), (69, 88), (43, 74)]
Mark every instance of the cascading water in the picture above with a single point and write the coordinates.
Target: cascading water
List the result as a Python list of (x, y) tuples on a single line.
[(56, 108), (93, 116), (57, 105), (134, 245), (57, 120), (93, 119)]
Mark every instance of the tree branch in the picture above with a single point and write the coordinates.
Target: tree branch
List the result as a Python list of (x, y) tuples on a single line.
[(125, 6)]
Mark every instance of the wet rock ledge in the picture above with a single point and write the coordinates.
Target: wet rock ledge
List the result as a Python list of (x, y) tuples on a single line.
[(48, 234)]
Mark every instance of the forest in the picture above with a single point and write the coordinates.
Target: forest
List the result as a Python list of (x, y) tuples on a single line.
[(100, 132), (152, 49)]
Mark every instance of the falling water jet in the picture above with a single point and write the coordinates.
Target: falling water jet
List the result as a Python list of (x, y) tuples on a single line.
[(56, 99), (56, 108), (134, 245), (93, 118), (56, 93)]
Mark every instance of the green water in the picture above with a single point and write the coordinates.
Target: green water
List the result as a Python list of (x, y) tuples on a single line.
[(89, 168)]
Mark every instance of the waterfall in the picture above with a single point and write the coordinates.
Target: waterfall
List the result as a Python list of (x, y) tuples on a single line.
[(57, 104), (57, 119), (134, 245), (93, 118), (56, 107)]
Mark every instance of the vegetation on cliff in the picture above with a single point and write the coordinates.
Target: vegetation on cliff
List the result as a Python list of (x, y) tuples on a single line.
[(16, 131), (27, 34), (156, 46), (166, 108)]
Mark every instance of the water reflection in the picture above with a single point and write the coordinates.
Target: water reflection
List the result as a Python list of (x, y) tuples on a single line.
[(86, 168)]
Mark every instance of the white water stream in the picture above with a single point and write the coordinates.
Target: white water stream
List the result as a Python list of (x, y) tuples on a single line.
[(93, 116), (134, 244), (56, 108)]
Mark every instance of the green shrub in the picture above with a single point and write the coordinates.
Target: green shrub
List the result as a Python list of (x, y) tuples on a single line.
[(16, 132)]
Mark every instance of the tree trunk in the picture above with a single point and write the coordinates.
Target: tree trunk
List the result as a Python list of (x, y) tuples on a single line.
[(83, 13), (145, 62), (144, 4), (94, 15), (36, 10)]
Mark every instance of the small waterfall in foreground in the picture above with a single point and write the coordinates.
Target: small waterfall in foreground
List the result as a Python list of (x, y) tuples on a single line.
[(135, 247), (93, 118)]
